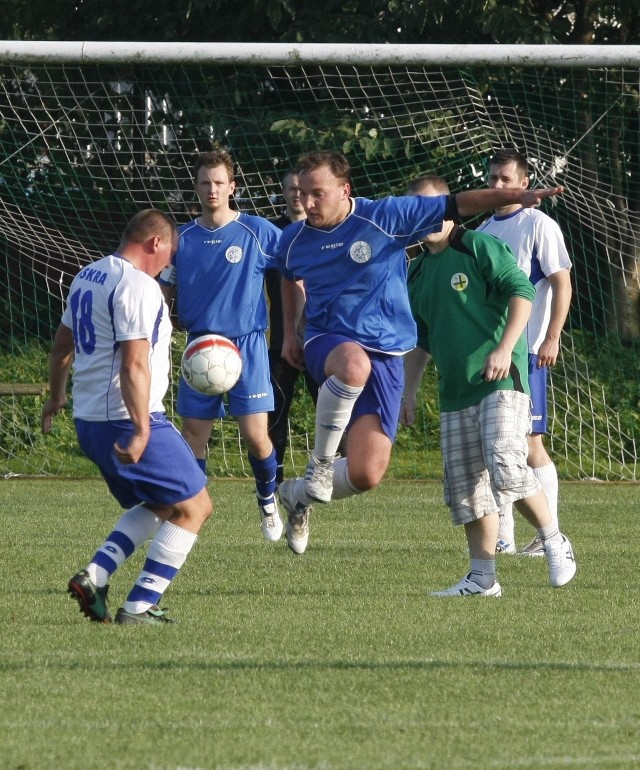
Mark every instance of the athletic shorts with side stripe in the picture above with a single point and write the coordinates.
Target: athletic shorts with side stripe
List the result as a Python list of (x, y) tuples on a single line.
[(382, 394), (166, 474), (538, 378), (484, 451)]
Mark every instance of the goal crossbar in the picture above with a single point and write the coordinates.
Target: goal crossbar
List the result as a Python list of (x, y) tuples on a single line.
[(293, 54)]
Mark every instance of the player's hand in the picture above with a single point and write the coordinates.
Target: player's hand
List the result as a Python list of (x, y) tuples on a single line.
[(408, 409), (532, 198), (133, 452), (49, 410), (548, 353), (293, 352), (496, 365)]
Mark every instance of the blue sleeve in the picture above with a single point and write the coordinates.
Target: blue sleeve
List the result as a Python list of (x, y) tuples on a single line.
[(407, 218)]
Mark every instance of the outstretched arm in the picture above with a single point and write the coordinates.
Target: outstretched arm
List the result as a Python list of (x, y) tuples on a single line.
[(473, 202)]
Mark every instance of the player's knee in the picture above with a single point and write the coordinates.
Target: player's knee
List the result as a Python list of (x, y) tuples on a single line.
[(365, 479), (197, 510), (352, 368)]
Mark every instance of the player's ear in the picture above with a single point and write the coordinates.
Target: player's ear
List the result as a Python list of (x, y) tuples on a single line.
[(525, 182)]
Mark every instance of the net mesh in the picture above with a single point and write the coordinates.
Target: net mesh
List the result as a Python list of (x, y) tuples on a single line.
[(83, 147)]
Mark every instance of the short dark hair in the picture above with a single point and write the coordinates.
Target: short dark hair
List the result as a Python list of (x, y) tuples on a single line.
[(287, 175), (336, 162), (510, 155), (420, 182), (213, 159), (147, 223)]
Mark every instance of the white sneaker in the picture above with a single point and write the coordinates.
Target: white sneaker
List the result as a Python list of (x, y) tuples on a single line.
[(270, 521), (467, 587), (534, 548), (504, 546), (297, 532), (561, 561), (318, 479)]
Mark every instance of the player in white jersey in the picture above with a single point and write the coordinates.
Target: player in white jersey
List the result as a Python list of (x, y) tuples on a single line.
[(540, 250), (115, 332), (217, 277), (350, 254)]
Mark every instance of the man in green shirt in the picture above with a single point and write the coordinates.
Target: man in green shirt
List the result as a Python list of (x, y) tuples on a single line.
[(471, 303)]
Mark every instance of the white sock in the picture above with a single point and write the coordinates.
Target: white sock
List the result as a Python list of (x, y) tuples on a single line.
[(547, 475), (132, 529), (506, 527), (342, 486), (333, 412), (167, 553)]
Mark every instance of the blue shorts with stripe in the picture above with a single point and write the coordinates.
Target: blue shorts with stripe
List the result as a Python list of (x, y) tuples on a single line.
[(167, 473), (383, 392), (538, 378), (252, 394)]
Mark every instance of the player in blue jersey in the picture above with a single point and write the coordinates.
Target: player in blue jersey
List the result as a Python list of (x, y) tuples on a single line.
[(350, 254), (217, 277), (116, 331)]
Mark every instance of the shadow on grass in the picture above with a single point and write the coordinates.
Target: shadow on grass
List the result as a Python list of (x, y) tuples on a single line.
[(428, 664)]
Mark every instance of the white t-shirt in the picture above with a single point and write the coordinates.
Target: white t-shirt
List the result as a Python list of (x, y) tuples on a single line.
[(109, 302), (538, 244)]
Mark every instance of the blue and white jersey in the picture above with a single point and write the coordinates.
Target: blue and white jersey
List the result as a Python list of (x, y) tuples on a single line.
[(538, 244), (355, 274), (109, 302), (219, 275)]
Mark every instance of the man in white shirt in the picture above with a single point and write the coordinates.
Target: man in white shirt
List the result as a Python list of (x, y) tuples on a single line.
[(115, 332), (538, 244)]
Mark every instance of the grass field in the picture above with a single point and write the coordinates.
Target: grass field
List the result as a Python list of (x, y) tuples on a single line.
[(336, 660)]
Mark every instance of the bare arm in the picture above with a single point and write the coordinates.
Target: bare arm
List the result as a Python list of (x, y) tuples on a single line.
[(473, 202), (293, 301), (561, 293), (135, 384), (415, 362), (60, 360), (498, 362)]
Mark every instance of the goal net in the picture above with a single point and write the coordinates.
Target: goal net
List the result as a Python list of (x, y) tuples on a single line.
[(84, 144)]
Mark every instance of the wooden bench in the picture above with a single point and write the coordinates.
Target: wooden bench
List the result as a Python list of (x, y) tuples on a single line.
[(23, 388)]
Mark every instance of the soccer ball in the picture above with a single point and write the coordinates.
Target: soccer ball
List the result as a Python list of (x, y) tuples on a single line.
[(211, 364)]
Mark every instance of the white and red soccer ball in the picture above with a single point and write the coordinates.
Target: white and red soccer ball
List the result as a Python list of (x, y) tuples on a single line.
[(211, 364)]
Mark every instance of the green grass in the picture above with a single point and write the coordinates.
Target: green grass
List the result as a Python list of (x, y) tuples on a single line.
[(336, 660)]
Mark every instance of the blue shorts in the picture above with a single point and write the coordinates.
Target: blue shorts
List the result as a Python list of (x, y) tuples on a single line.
[(383, 392), (252, 394), (167, 473), (538, 386)]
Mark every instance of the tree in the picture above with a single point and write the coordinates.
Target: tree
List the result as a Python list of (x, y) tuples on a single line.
[(354, 21)]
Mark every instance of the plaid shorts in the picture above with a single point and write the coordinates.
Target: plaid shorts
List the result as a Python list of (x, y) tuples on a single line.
[(484, 450)]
